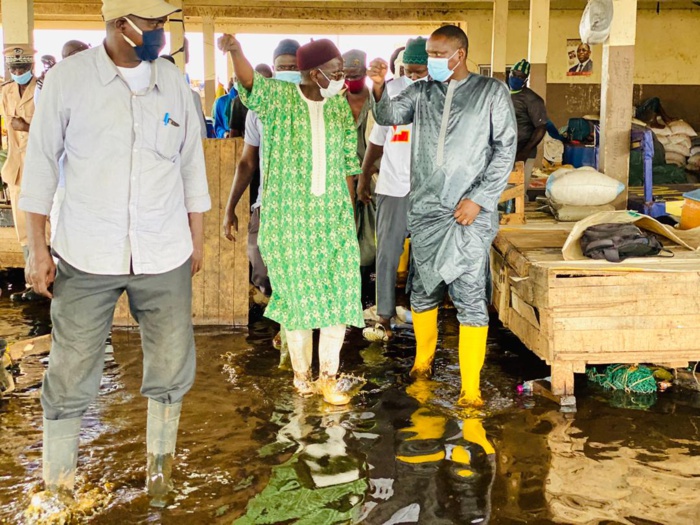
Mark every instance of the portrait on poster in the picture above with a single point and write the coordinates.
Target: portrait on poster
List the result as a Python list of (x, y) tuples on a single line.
[(579, 55)]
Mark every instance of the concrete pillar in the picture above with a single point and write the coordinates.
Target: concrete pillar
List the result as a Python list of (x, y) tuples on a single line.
[(177, 34), (17, 23), (538, 46), (500, 37), (616, 95), (209, 63)]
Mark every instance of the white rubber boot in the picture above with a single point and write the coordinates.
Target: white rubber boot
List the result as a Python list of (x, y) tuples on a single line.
[(301, 349), (60, 453), (330, 344), (59, 462), (161, 435)]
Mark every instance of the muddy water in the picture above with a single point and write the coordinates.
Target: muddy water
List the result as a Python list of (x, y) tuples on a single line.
[(251, 450)]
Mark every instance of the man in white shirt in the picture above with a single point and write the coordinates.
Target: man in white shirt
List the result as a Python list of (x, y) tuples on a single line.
[(393, 145), (131, 221), (70, 48)]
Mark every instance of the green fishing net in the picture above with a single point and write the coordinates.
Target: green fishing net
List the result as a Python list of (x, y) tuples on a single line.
[(633, 386), (637, 379)]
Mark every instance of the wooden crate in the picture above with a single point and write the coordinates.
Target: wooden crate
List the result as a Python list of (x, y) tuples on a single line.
[(517, 193), (220, 292), (572, 314)]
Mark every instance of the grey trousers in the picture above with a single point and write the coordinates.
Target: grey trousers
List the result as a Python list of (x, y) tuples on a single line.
[(258, 276), (82, 311), (392, 217), (468, 292)]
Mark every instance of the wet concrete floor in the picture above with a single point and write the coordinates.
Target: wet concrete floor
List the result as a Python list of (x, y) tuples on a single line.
[(251, 451)]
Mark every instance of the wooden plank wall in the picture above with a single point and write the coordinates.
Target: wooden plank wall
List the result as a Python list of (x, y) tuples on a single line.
[(220, 290), (10, 250)]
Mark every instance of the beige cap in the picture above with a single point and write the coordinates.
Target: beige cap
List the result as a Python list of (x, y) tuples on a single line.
[(113, 9), (18, 55)]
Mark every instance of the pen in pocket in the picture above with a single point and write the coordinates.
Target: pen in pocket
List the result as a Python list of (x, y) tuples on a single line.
[(167, 120)]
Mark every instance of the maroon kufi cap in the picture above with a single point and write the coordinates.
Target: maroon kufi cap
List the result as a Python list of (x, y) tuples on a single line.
[(316, 53)]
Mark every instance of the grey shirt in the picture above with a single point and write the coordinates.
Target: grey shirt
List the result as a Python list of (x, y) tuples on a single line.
[(133, 164)]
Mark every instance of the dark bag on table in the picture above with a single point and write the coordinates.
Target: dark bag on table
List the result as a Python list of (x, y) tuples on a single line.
[(580, 130), (616, 242)]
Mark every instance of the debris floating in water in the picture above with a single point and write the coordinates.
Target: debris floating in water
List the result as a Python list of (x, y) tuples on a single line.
[(60, 508)]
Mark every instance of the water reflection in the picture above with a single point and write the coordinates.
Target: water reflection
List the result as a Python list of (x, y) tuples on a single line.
[(251, 451), (323, 480), (426, 466), (624, 466)]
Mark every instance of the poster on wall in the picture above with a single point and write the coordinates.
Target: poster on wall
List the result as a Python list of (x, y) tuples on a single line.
[(579, 55)]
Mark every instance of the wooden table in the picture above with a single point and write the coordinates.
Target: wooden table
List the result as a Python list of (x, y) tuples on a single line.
[(578, 313)]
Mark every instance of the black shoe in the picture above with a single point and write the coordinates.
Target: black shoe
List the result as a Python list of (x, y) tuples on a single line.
[(31, 296), (18, 297)]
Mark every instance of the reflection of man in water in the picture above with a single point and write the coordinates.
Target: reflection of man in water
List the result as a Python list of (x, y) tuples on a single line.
[(322, 481), (585, 64), (426, 467)]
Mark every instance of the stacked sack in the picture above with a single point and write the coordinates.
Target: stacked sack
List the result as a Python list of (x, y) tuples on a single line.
[(694, 160), (677, 139), (574, 194)]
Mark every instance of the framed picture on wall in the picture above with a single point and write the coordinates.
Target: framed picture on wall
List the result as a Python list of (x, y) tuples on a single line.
[(579, 57)]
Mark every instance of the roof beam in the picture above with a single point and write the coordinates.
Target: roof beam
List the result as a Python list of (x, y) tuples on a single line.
[(280, 11)]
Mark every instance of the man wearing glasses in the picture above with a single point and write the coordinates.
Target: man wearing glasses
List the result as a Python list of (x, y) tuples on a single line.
[(307, 232)]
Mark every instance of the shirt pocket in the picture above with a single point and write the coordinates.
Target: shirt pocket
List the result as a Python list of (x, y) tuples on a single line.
[(169, 138)]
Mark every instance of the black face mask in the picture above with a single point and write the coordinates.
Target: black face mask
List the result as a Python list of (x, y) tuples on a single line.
[(153, 43)]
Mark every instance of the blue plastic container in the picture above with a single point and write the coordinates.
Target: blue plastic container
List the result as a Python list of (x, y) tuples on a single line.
[(579, 156)]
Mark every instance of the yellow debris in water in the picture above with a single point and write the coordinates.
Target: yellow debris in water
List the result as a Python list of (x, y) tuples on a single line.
[(59, 508)]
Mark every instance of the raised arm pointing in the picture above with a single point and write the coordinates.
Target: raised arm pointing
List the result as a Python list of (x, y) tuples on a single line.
[(242, 68)]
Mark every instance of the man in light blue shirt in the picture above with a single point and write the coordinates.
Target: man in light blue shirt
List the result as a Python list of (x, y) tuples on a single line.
[(132, 221)]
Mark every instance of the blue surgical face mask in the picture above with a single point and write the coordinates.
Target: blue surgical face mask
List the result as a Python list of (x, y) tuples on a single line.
[(289, 76), (24, 78), (153, 43), (439, 68), (516, 83)]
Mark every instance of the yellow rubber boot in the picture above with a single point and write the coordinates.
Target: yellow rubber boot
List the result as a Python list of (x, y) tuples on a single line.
[(422, 390), (463, 457), (402, 271), (472, 352), (473, 431), (427, 427), (426, 329)]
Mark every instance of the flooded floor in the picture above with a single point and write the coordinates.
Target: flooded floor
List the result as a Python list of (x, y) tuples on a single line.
[(252, 452)]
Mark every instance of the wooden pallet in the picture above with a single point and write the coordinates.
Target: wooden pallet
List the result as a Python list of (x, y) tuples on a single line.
[(574, 314), (517, 193)]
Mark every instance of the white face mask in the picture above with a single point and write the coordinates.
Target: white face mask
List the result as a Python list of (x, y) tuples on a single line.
[(409, 82), (334, 87)]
